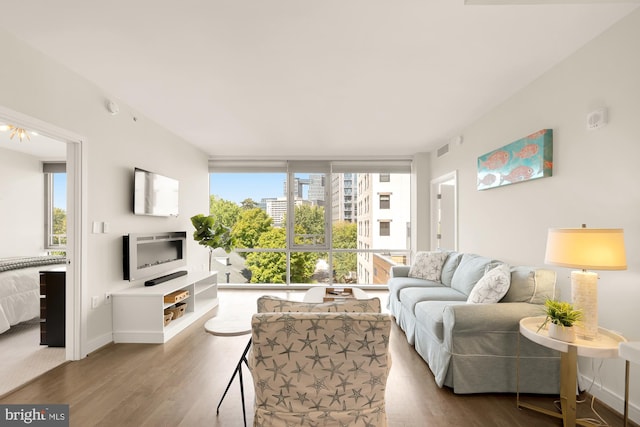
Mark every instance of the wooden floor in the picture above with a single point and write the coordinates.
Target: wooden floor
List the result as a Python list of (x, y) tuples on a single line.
[(181, 382)]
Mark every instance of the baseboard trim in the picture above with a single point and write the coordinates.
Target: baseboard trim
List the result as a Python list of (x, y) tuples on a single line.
[(614, 401), (99, 342)]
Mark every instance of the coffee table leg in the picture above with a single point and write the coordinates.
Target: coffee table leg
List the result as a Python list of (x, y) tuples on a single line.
[(238, 371)]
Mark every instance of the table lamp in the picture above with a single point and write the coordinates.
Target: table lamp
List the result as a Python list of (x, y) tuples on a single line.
[(586, 248)]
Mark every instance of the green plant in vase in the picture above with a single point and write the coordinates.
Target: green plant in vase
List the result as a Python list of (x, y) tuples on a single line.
[(562, 315), (211, 233)]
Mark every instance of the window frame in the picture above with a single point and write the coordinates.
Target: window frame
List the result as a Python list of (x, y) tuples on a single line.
[(384, 201), (387, 224), (49, 169), (366, 167)]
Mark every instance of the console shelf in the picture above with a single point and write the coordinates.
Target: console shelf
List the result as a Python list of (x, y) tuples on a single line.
[(138, 312)]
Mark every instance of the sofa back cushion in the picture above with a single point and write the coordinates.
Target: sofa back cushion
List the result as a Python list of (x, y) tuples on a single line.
[(449, 267), (471, 269), (531, 285)]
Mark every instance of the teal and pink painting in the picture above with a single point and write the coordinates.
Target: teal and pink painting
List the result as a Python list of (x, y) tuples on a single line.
[(528, 158)]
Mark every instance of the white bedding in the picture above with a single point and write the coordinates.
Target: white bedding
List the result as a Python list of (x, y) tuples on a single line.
[(19, 295)]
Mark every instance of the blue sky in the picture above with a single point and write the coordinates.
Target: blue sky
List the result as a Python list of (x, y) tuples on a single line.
[(239, 186), (60, 190), (229, 186)]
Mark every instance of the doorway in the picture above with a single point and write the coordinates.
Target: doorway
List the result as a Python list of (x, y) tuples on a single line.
[(444, 212), (75, 274)]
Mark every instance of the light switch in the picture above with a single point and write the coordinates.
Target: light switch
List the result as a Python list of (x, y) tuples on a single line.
[(97, 227), (106, 227)]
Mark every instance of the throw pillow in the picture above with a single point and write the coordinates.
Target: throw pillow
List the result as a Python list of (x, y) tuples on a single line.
[(492, 286), (428, 265)]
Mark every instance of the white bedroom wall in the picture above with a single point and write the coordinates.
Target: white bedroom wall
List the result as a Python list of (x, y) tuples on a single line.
[(595, 180), (37, 86), (21, 174)]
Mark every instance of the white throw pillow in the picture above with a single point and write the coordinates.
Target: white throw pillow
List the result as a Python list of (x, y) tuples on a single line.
[(428, 265), (492, 286)]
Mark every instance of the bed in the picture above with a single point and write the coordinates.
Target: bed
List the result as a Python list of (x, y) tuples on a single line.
[(20, 287)]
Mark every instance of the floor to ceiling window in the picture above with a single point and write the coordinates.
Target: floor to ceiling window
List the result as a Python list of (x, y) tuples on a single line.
[(341, 222)]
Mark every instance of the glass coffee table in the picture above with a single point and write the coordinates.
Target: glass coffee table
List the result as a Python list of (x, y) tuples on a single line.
[(317, 294)]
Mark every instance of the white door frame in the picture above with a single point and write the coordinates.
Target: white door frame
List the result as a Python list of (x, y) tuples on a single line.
[(76, 314), (435, 190)]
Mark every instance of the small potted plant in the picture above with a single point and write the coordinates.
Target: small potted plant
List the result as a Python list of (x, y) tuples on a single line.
[(211, 233), (561, 317)]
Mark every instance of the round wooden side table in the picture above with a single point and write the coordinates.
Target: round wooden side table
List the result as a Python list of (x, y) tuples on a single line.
[(604, 345)]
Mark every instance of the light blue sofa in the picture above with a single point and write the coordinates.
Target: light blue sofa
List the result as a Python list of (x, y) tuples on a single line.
[(473, 348)]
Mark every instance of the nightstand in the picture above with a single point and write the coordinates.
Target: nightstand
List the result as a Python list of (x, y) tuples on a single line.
[(52, 307), (605, 345)]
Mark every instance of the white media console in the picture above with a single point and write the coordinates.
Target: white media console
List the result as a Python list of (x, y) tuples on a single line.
[(138, 312)]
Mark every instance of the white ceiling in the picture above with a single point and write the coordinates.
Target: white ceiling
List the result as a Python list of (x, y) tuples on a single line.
[(302, 78), (36, 145)]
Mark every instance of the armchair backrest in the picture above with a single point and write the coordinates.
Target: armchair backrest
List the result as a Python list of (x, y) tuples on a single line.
[(325, 368), (269, 303)]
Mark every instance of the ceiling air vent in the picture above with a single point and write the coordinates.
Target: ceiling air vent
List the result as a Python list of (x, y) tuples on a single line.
[(443, 150)]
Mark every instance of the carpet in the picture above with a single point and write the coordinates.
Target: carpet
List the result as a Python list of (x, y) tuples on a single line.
[(22, 356)]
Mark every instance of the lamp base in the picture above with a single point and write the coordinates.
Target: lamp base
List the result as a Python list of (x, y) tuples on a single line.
[(584, 293)]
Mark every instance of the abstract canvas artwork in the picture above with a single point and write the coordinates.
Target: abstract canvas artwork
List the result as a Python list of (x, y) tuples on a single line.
[(528, 158)]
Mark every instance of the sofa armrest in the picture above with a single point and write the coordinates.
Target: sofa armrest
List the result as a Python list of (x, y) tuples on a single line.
[(400, 271), (478, 318)]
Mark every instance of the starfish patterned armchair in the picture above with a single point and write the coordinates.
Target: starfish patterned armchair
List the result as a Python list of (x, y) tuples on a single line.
[(320, 368)]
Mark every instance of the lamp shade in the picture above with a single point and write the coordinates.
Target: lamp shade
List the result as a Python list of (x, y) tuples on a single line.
[(586, 248)]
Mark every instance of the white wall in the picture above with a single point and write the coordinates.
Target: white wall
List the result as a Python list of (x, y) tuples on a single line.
[(21, 174), (420, 195), (595, 180), (35, 85)]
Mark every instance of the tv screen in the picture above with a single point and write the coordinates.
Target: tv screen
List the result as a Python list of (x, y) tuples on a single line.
[(154, 194)]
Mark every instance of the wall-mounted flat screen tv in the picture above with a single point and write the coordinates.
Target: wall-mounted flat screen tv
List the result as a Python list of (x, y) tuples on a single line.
[(154, 194)]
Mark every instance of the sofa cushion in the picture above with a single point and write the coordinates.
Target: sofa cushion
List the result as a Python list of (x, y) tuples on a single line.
[(409, 297), (449, 267), (492, 286), (428, 265), (531, 285), (429, 315), (470, 270), (396, 284)]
